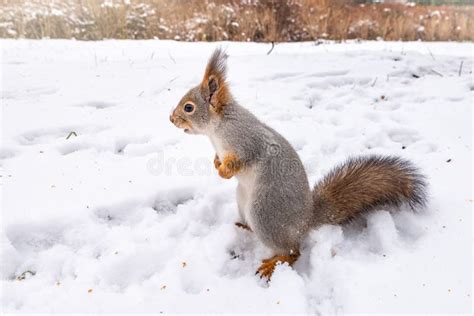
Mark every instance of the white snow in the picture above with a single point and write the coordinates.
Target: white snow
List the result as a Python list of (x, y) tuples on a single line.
[(130, 216)]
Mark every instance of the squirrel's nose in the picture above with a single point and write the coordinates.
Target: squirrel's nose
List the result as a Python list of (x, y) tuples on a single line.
[(171, 118)]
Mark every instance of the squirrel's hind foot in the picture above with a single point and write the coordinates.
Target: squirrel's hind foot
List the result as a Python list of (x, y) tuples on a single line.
[(243, 226), (268, 265)]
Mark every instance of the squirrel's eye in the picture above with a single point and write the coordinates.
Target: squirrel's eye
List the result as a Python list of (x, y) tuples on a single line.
[(188, 107)]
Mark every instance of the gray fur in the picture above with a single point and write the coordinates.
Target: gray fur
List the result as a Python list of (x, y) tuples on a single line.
[(281, 201)]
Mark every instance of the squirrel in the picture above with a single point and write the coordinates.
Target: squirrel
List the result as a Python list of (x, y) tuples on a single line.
[(274, 198)]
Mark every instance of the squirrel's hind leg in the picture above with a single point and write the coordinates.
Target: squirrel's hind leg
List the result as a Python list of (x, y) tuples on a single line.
[(242, 201), (268, 265)]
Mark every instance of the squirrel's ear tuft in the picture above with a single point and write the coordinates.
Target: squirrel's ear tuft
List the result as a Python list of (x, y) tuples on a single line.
[(214, 87)]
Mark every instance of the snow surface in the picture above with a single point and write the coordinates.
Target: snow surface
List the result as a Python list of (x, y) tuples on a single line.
[(130, 216)]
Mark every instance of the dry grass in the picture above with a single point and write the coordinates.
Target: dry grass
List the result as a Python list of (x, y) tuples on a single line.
[(237, 20)]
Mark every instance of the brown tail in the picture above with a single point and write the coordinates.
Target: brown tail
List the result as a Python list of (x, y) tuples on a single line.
[(365, 183)]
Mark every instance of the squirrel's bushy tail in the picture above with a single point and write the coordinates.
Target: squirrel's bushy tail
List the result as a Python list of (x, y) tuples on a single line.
[(365, 183)]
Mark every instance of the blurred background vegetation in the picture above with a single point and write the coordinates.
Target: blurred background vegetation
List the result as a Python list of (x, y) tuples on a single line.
[(445, 2), (239, 20)]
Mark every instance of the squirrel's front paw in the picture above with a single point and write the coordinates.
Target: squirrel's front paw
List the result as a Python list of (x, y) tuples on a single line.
[(224, 172), (217, 162), (230, 166)]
